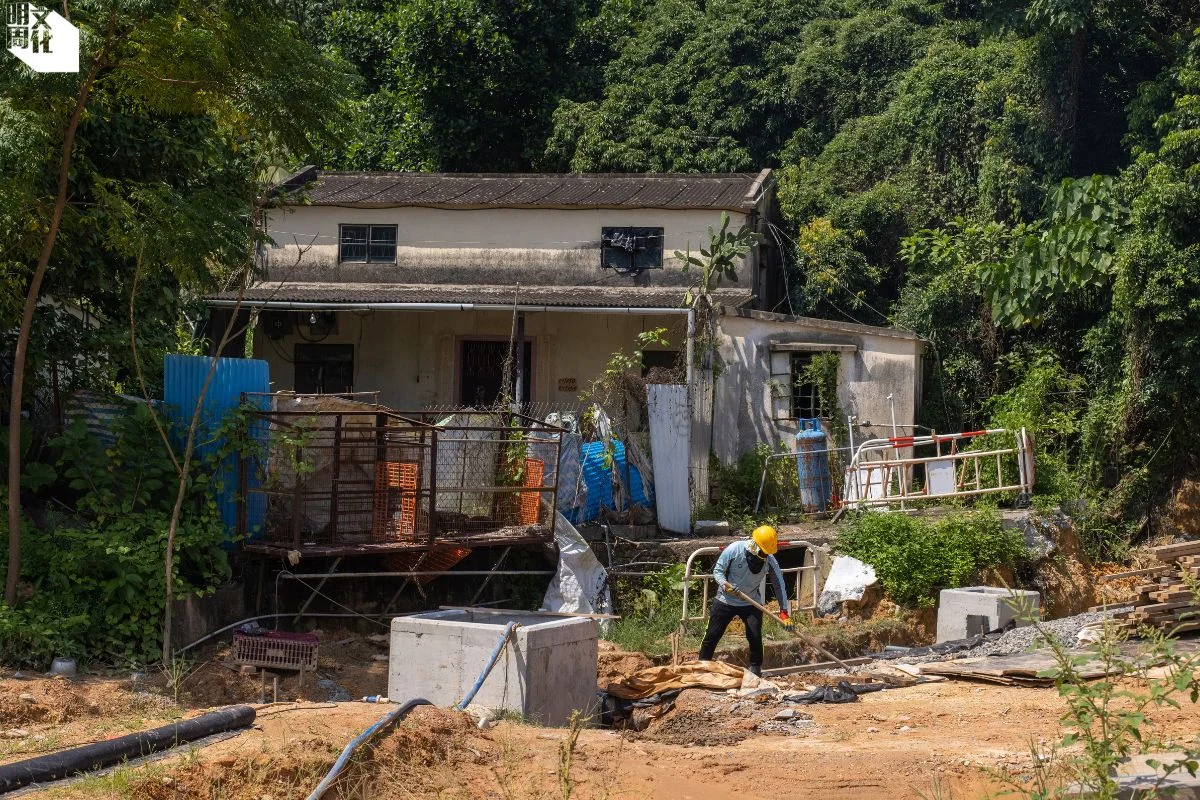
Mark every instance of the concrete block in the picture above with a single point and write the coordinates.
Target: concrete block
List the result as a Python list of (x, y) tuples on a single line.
[(710, 527), (547, 670), (971, 610)]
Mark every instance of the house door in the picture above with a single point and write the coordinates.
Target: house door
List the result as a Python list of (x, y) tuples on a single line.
[(481, 372)]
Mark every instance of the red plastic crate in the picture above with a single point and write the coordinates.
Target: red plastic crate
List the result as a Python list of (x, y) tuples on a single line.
[(276, 649)]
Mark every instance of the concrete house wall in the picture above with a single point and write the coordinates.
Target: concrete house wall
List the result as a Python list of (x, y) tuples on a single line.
[(412, 357), (542, 246), (873, 362)]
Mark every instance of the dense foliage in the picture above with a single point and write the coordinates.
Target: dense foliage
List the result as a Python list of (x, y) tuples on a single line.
[(92, 568), (1016, 182), (915, 558)]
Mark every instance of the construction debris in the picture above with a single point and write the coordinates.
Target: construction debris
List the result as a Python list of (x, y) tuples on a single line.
[(1169, 604)]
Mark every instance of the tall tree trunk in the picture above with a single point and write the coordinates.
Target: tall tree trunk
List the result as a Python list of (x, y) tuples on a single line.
[(19, 356), (1070, 110)]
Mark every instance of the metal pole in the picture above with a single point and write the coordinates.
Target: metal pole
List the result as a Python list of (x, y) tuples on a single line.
[(413, 574), (519, 389), (317, 590)]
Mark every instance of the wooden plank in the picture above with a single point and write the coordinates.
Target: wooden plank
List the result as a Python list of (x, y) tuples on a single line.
[(1172, 594), (1134, 573), (1170, 552)]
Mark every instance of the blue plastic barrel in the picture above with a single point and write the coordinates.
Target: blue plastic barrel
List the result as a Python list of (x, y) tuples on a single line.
[(812, 466)]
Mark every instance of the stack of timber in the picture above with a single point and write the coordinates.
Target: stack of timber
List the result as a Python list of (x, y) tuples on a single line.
[(1168, 603)]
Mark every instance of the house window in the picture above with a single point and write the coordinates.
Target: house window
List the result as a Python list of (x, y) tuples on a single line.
[(631, 250), (324, 369), (367, 243), (806, 397)]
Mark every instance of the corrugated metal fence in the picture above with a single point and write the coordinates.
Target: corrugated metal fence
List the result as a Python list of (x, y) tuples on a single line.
[(183, 379)]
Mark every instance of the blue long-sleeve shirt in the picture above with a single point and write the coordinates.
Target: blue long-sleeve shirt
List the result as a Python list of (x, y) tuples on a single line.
[(733, 567)]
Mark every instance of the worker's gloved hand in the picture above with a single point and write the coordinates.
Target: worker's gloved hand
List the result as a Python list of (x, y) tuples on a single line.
[(729, 588), (785, 619)]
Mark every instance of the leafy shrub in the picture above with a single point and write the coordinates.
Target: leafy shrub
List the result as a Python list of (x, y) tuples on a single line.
[(95, 568), (917, 558), (737, 484)]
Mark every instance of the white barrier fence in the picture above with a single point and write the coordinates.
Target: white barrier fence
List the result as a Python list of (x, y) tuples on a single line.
[(706, 579)]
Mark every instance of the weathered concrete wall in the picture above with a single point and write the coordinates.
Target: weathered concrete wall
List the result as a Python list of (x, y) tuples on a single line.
[(194, 617), (413, 358), (545, 247), (547, 670), (882, 362)]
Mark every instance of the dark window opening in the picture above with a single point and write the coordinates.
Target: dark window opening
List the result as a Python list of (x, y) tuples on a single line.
[(806, 397), (659, 360), (324, 369), (367, 243), (631, 250), (481, 372)]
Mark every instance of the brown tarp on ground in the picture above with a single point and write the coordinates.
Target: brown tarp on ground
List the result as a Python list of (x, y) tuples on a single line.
[(713, 675)]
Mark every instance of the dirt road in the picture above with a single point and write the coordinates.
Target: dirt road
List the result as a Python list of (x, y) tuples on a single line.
[(944, 739)]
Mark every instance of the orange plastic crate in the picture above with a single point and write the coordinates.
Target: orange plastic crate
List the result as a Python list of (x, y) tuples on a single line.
[(395, 476), (531, 502)]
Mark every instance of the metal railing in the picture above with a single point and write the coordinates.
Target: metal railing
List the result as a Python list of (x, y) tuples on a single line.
[(689, 576), (879, 476)]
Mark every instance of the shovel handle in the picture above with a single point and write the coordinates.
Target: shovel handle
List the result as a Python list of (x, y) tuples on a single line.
[(791, 629)]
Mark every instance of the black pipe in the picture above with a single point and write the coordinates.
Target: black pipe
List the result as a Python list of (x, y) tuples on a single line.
[(96, 756)]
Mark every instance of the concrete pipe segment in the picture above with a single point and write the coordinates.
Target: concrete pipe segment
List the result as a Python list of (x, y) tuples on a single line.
[(96, 756)]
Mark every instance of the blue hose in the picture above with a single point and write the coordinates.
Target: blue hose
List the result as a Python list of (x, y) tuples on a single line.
[(391, 718), (466, 701)]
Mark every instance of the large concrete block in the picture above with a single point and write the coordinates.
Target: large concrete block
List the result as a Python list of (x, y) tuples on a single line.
[(547, 671), (971, 610)]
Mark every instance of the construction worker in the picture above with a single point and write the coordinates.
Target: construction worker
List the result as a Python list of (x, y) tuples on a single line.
[(740, 567)]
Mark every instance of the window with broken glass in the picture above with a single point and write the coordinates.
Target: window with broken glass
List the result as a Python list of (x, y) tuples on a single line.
[(367, 243), (794, 394), (631, 250)]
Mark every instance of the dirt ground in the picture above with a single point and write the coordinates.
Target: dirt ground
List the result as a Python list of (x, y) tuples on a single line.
[(947, 739)]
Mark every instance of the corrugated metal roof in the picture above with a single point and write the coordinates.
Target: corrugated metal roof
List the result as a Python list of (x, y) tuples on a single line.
[(730, 191), (281, 294)]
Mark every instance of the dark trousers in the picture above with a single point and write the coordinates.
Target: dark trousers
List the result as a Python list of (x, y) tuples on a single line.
[(718, 620)]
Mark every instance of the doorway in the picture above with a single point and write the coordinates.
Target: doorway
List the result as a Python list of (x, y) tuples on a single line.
[(481, 372)]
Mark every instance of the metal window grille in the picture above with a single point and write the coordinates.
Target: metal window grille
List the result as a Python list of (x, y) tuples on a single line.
[(362, 243), (806, 399)]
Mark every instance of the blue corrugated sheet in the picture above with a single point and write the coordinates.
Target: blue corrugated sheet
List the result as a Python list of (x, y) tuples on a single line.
[(597, 476), (183, 380)]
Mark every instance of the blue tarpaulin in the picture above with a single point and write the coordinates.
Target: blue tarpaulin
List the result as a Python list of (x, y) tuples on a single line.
[(597, 478)]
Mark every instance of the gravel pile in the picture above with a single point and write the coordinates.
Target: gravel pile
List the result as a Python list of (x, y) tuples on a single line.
[(1019, 640)]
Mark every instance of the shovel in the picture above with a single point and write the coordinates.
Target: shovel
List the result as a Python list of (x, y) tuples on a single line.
[(791, 629)]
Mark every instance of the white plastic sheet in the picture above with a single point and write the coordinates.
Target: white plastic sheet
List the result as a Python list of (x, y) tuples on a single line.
[(848, 580), (580, 585)]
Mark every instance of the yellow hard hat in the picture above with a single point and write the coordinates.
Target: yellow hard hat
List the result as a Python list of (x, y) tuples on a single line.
[(767, 540)]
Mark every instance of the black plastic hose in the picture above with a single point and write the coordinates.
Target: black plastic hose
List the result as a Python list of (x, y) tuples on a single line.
[(91, 757)]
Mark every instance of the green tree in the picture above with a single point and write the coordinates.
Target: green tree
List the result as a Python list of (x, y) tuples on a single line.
[(152, 154)]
